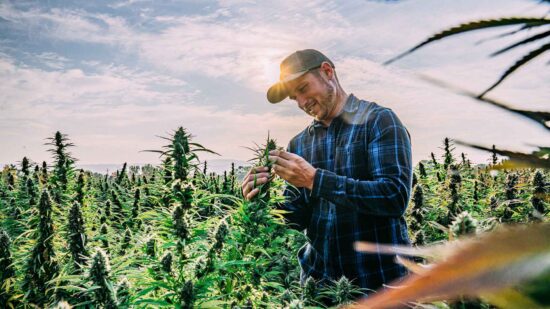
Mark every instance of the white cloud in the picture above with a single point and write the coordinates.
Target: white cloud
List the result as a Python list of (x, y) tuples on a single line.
[(116, 111), (69, 25), (74, 88), (105, 116)]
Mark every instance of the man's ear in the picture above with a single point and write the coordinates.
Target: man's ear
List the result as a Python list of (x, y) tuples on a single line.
[(328, 70)]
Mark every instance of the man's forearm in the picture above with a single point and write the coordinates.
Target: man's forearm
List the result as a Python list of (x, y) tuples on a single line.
[(385, 196)]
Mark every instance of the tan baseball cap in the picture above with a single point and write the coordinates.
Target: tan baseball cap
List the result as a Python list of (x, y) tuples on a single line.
[(292, 67)]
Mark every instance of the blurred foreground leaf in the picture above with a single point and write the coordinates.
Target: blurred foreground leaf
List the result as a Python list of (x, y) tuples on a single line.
[(540, 117), (485, 266), (525, 24), (517, 159)]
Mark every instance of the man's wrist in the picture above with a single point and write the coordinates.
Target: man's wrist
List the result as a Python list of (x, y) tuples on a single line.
[(311, 178)]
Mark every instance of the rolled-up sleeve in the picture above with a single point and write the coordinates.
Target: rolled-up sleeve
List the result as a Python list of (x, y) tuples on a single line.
[(389, 161)]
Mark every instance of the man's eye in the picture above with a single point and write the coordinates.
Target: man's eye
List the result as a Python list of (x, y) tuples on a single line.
[(303, 88)]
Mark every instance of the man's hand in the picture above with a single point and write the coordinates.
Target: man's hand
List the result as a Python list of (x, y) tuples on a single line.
[(255, 177), (293, 168)]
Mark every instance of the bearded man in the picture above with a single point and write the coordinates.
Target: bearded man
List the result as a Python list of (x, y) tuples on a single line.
[(349, 174)]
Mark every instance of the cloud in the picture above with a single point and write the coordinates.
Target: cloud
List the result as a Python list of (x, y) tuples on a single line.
[(118, 111), (68, 25), (75, 89), (113, 104)]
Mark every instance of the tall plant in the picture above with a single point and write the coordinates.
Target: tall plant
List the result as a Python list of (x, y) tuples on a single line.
[(77, 236), (63, 170), (7, 272), (42, 265)]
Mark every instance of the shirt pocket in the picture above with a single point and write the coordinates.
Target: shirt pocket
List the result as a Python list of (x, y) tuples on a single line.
[(350, 159)]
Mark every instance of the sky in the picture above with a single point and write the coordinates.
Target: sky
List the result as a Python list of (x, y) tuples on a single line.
[(116, 76)]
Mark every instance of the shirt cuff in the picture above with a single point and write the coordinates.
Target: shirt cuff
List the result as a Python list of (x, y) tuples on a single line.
[(327, 184)]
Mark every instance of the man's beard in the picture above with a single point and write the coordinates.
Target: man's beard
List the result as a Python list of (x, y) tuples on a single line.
[(327, 99)]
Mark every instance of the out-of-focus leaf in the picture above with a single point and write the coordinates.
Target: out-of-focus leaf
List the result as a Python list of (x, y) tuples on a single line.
[(484, 265), (412, 266), (484, 24), (528, 57), (540, 117), (510, 298), (517, 159), (538, 289), (432, 252), (542, 152), (533, 38), (505, 34), (471, 26)]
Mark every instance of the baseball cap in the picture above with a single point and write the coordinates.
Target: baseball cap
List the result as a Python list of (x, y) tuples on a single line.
[(292, 67)]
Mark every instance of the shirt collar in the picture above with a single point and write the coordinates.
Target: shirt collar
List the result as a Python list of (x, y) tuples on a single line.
[(349, 107)]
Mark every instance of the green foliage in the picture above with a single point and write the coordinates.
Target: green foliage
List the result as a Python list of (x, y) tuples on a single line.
[(80, 187), (540, 192), (99, 274), (209, 247), (464, 224), (7, 271), (77, 236), (63, 171), (42, 265)]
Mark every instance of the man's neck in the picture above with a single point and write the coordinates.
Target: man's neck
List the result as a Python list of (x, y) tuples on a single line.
[(341, 98)]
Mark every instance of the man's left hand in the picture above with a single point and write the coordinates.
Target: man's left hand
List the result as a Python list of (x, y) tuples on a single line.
[(293, 168)]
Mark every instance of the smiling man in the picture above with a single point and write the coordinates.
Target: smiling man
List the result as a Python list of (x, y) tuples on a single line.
[(349, 174)]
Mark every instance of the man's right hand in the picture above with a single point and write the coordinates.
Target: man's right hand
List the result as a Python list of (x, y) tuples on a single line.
[(261, 174)]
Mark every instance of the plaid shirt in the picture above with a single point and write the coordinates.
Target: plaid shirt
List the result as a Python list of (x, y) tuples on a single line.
[(360, 193)]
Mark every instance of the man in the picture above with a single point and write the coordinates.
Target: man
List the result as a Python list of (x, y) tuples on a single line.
[(352, 169)]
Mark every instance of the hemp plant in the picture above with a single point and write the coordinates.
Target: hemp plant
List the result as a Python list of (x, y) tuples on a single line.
[(77, 236), (63, 171), (42, 265), (180, 157), (100, 276), (539, 192), (262, 159), (7, 272)]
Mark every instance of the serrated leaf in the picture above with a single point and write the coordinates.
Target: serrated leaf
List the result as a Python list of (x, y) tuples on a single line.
[(472, 26)]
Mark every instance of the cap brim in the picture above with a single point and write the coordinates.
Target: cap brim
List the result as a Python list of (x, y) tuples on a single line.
[(279, 91)]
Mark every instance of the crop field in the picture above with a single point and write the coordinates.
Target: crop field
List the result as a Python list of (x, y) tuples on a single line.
[(178, 236)]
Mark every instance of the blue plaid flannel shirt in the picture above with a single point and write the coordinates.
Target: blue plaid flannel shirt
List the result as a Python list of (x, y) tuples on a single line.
[(360, 193)]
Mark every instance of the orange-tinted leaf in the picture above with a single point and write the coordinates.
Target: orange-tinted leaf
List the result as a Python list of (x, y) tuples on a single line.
[(485, 264)]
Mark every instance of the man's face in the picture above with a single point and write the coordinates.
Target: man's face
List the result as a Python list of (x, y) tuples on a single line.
[(314, 94)]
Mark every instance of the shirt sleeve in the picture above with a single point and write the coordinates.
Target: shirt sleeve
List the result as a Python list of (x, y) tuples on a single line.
[(390, 164), (298, 211)]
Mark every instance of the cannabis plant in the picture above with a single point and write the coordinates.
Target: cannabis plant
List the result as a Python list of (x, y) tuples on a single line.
[(42, 265), (99, 274), (77, 236), (463, 224), (7, 272), (63, 165)]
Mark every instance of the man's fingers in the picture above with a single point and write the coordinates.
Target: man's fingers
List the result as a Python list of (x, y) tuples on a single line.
[(259, 181), (252, 193), (258, 169), (279, 161), (287, 155), (256, 176), (281, 171), (282, 153)]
